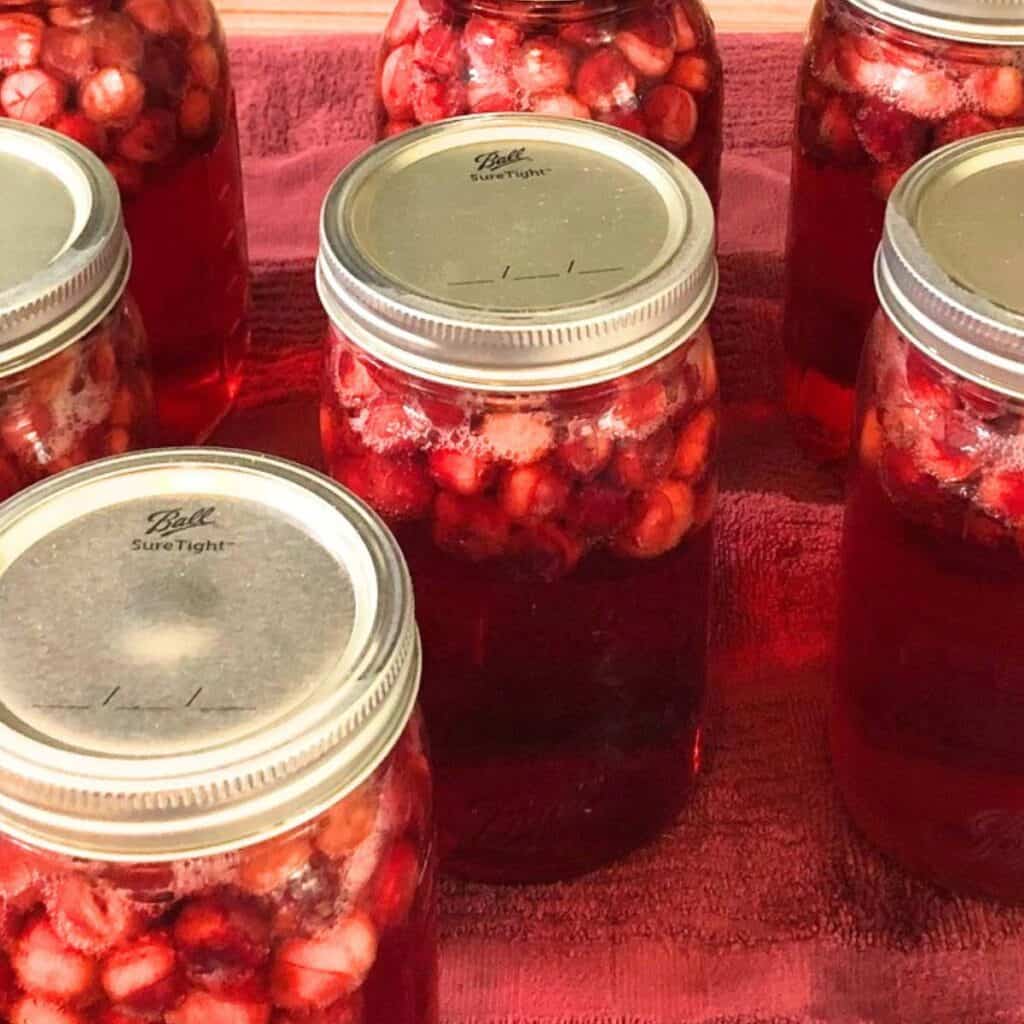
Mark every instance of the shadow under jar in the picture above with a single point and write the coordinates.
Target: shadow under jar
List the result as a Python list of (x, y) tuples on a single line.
[(74, 371), (929, 707), (648, 66), (519, 378), (145, 85), (215, 801), (883, 82)]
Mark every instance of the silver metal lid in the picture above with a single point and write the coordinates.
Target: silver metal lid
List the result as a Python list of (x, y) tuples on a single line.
[(517, 252), (198, 648), (950, 270), (65, 256), (999, 22)]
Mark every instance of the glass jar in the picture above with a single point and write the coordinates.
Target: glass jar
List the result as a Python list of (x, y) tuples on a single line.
[(145, 85), (883, 82), (929, 709), (532, 405), (648, 66), (214, 794), (74, 374)]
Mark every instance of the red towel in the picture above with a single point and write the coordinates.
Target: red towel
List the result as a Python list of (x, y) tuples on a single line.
[(762, 906)]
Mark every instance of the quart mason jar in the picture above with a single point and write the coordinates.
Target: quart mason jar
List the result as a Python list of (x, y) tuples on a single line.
[(883, 82), (74, 372), (519, 378), (929, 709), (214, 794), (145, 85), (648, 66)]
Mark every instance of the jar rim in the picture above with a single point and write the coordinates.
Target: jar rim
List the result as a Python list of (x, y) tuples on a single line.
[(947, 272), (78, 255), (641, 286), (987, 22), (105, 753)]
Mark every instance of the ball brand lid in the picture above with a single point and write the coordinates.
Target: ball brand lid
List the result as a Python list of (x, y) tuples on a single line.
[(198, 648), (999, 22), (517, 252), (65, 255), (950, 270)]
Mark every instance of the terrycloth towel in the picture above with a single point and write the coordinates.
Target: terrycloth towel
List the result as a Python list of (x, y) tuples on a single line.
[(763, 906)]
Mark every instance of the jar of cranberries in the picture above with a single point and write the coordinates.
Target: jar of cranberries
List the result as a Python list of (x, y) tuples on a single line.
[(929, 709), (144, 84), (883, 82), (74, 373), (214, 793), (648, 66), (519, 378)]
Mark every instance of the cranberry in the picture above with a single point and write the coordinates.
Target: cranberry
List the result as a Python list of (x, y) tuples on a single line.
[(438, 51), (659, 521), (33, 1010), (962, 126), (116, 41), (34, 96), (999, 91), (559, 104), (638, 464), (112, 96), (90, 915), (519, 437), (153, 16), (436, 99), (393, 886), (21, 40), (491, 44), (605, 81), (648, 42), (200, 1007), (459, 472), (693, 450), (194, 16), (151, 139), (544, 65), (143, 975), (537, 491), (671, 114), (48, 968), (396, 83), (890, 136), (474, 528), (685, 33), (692, 73), (195, 115)]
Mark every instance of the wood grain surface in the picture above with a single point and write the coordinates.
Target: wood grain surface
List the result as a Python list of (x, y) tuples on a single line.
[(289, 16)]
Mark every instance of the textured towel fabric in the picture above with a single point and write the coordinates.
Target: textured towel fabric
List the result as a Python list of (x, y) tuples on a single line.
[(762, 906)]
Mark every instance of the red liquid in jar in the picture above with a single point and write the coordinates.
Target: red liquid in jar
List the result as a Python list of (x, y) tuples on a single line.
[(929, 707), (649, 67), (333, 923), (872, 101), (561, 562), (145, 85)]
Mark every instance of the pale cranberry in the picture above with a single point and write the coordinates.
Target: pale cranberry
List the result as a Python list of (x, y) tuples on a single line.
[(48, 968), (648, 43), (559, 104), (404, 25), (693, 449), (520, 437), (313, 973), (639, 411), (21, 40), (1002, 493), (869, 76), (605, 81), (112, 96), (587, 454), (998, 91), (90, 916), (931, 95), (221, 930), (34, 96), (393, 886), (835, 132), (460, 472), (534, 492), (200, 1007), (396, 84), (639, 464), (398, 488), (33, 1010), (588, 33), (267, 867), (491, 43), (493, 93), (671, 114), (691, 72), (348, 824), (143, 975), (543, 65), (661, 518), (686, 34)]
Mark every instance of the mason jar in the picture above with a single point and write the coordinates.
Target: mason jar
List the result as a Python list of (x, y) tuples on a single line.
[(74, 372), (929, 707), (214, 792), (883, 82), (648, 66), (519, 377), (145, 84)]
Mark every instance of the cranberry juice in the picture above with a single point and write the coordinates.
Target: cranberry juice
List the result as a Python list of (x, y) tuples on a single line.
[(145, 85), (560, 555), (648, 66), (929, 709), (872, 101)]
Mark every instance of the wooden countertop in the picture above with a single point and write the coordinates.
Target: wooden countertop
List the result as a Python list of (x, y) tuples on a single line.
[(289, 16)]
